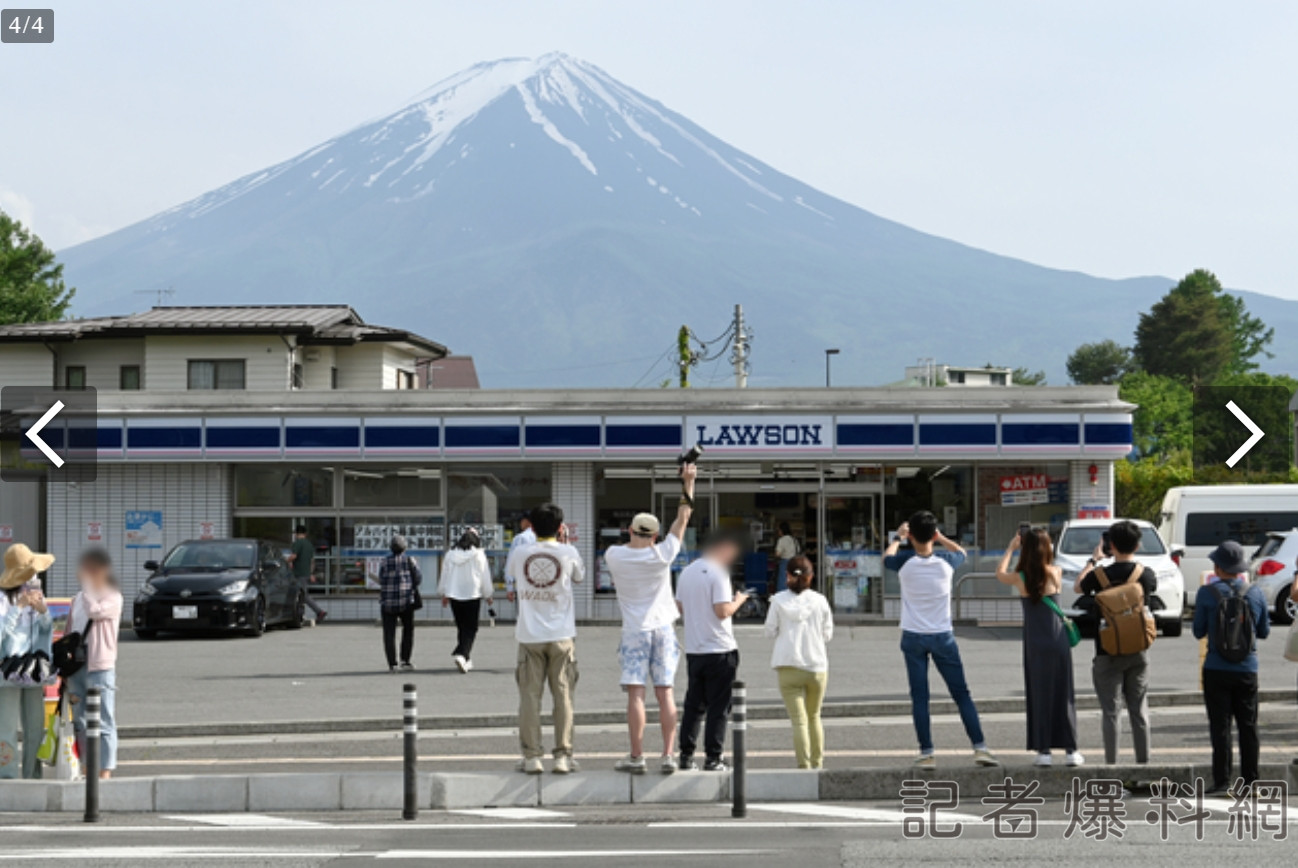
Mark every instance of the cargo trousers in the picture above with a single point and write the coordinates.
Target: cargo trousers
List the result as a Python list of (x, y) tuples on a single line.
[(539, 664)]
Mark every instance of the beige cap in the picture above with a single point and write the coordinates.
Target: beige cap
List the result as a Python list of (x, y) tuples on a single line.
[(645, 524)]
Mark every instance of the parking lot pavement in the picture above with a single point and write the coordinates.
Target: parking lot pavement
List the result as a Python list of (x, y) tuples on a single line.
[(337, 672), (828, 834)]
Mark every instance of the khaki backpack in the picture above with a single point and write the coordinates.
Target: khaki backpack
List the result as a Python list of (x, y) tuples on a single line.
[(1126, 626)]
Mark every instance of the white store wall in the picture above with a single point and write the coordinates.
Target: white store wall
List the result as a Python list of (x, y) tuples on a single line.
[(186, 494)]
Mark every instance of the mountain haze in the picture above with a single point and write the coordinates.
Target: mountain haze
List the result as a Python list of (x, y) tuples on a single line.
[(560, 226)]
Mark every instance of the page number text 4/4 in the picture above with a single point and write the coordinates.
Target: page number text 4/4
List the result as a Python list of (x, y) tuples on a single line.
[(27, 25)]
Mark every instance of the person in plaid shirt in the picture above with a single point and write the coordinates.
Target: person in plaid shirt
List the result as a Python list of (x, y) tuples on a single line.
[(399, 577)]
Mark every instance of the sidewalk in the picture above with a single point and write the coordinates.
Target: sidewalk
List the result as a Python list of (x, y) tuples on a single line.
[(334, 677)]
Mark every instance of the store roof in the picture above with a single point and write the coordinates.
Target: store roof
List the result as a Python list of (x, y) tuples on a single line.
[(311, 323)]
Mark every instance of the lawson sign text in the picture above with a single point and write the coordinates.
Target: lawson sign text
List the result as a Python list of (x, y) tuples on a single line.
[(762, 433)]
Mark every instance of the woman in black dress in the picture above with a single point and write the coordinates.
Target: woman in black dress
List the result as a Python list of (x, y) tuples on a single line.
[(1047, 656)]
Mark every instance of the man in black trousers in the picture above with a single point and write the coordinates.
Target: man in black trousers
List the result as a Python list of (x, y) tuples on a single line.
[(707, 601)]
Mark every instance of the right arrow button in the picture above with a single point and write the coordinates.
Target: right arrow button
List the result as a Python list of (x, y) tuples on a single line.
[(1255, 434)]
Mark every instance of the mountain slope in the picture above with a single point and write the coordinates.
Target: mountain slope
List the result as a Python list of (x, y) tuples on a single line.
[(560, 226)]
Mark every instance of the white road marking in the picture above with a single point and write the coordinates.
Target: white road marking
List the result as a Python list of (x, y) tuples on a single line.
[(843, 812), (513, 813), (280, 827), (560, 854), (244, 855), (243, 821)]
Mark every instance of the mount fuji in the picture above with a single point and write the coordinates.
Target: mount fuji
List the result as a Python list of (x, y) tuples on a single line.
[(561, 226)]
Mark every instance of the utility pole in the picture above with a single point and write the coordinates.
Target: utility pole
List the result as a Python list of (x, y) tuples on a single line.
[(742, 343), (685, 359)]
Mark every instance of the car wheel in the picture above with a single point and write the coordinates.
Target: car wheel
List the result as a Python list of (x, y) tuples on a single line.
[(258, 625), (1172, 628), (1286, 609), (146, 635), (299, 613)]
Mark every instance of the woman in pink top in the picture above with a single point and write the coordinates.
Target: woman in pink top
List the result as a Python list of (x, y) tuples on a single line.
[(96, 613)]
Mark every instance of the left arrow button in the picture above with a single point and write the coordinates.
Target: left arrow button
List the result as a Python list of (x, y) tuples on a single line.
[(33, 434)]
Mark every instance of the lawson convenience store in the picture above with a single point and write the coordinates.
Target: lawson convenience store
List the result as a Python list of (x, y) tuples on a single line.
[(840, 466)]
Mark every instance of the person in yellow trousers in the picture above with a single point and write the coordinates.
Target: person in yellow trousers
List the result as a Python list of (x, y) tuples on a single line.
[(801, 623)]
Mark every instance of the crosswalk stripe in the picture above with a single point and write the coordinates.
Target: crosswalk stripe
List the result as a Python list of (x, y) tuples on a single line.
[(512, 813), (236, 820), (842, 812)]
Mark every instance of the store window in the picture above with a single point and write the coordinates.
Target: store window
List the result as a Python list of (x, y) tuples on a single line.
[(495, 498), (617, 501), (390, 487), (265, 485)]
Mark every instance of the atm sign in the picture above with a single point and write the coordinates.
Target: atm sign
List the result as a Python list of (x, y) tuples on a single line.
[(1024, 489)]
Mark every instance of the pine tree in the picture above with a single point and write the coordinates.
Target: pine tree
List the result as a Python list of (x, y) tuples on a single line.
[(31, 282)]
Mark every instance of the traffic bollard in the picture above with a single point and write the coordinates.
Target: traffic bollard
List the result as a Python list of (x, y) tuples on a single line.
[(410, 810), (92, 755), (738, 730)]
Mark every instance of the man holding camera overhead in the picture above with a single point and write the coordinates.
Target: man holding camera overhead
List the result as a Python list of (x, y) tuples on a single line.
[(642, 575)]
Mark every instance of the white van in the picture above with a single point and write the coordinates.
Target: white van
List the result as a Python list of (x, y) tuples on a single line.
[(1196, 518)]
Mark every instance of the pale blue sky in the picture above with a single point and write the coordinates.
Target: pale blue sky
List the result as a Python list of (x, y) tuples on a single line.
[(1116, 138)]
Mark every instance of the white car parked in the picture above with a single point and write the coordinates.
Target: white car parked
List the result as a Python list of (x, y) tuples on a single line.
[(1273, 569), (1077, 542)]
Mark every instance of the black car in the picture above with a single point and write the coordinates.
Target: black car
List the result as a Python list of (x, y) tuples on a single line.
[(241, 585)]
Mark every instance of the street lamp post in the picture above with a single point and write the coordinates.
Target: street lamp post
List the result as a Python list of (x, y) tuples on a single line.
[(828, 354)]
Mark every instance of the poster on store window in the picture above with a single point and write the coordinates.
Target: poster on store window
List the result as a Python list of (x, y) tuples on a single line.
[(94, 533), (207, 530), (1025, 489), (6, 533), (144, 529), (372, 567)]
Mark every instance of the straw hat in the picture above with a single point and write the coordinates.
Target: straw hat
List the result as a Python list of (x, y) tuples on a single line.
[(21, 565)]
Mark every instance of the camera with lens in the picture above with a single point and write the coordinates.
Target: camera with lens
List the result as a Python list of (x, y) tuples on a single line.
[(692, 456)]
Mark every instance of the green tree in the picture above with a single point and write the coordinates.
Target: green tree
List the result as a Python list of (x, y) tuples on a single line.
[(1024, 377), (1099, 364), (1186, 334), (31, 282), (1250, 337), (1164, 423)]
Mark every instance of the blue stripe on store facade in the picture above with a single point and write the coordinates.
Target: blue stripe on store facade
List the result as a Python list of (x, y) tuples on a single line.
[(164, 438), (1040, 433), (642, 436), (242, 437), (322, 437), (402, 436), (957, 434), (883, 434), (541, 436), (482, 436), (1109, 434)]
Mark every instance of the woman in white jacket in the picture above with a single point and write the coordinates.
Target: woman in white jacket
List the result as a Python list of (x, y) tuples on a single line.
[(801, 622), (465, 583)]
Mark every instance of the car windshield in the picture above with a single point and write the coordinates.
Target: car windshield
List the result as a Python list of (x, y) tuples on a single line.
[(211, 556), (1083, 540)]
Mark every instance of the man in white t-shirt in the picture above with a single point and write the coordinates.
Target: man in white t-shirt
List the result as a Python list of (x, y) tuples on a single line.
[(540, 576), (926, 630), (642, 577), (525, 536), (707, 600)]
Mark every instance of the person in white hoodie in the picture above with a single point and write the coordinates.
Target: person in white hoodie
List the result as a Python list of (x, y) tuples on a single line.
[(801, 623), (465, 583)]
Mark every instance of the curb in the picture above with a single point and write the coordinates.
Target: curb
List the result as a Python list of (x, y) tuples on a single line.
[(383, 791), (881, 708)]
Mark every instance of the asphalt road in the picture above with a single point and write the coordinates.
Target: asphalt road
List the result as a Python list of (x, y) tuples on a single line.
[(820, 834), (338, 671)]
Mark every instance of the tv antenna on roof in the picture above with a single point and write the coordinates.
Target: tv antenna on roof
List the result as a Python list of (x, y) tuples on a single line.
[(162, 294)]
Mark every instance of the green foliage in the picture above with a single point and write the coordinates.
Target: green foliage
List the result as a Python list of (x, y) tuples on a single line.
[(1139, 486), (31, 283), (1024, 377), (1164, 420), (1249, 336), (1186, 335), (1099, 364)]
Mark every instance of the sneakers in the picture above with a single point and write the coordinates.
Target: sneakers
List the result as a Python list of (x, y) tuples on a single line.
[(392, 667), (531, 766), (320, 619), (925, 762), (407, 667), (468, 665), (1074, 759), (460, 662), (668, 765), (565, 765), (632, 765), (983, 757), (688, 764), (716, 765), (1043, 761)]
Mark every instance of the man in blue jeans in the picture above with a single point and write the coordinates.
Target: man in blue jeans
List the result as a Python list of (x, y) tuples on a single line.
[(926, 630)]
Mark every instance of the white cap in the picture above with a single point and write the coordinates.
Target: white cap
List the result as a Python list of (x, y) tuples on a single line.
[(645, 524)]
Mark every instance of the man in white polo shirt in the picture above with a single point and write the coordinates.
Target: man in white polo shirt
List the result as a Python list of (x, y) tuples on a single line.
[(642, 577), (926, 630)]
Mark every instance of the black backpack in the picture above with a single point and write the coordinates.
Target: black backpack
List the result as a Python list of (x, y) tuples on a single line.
[(1234, 629)]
